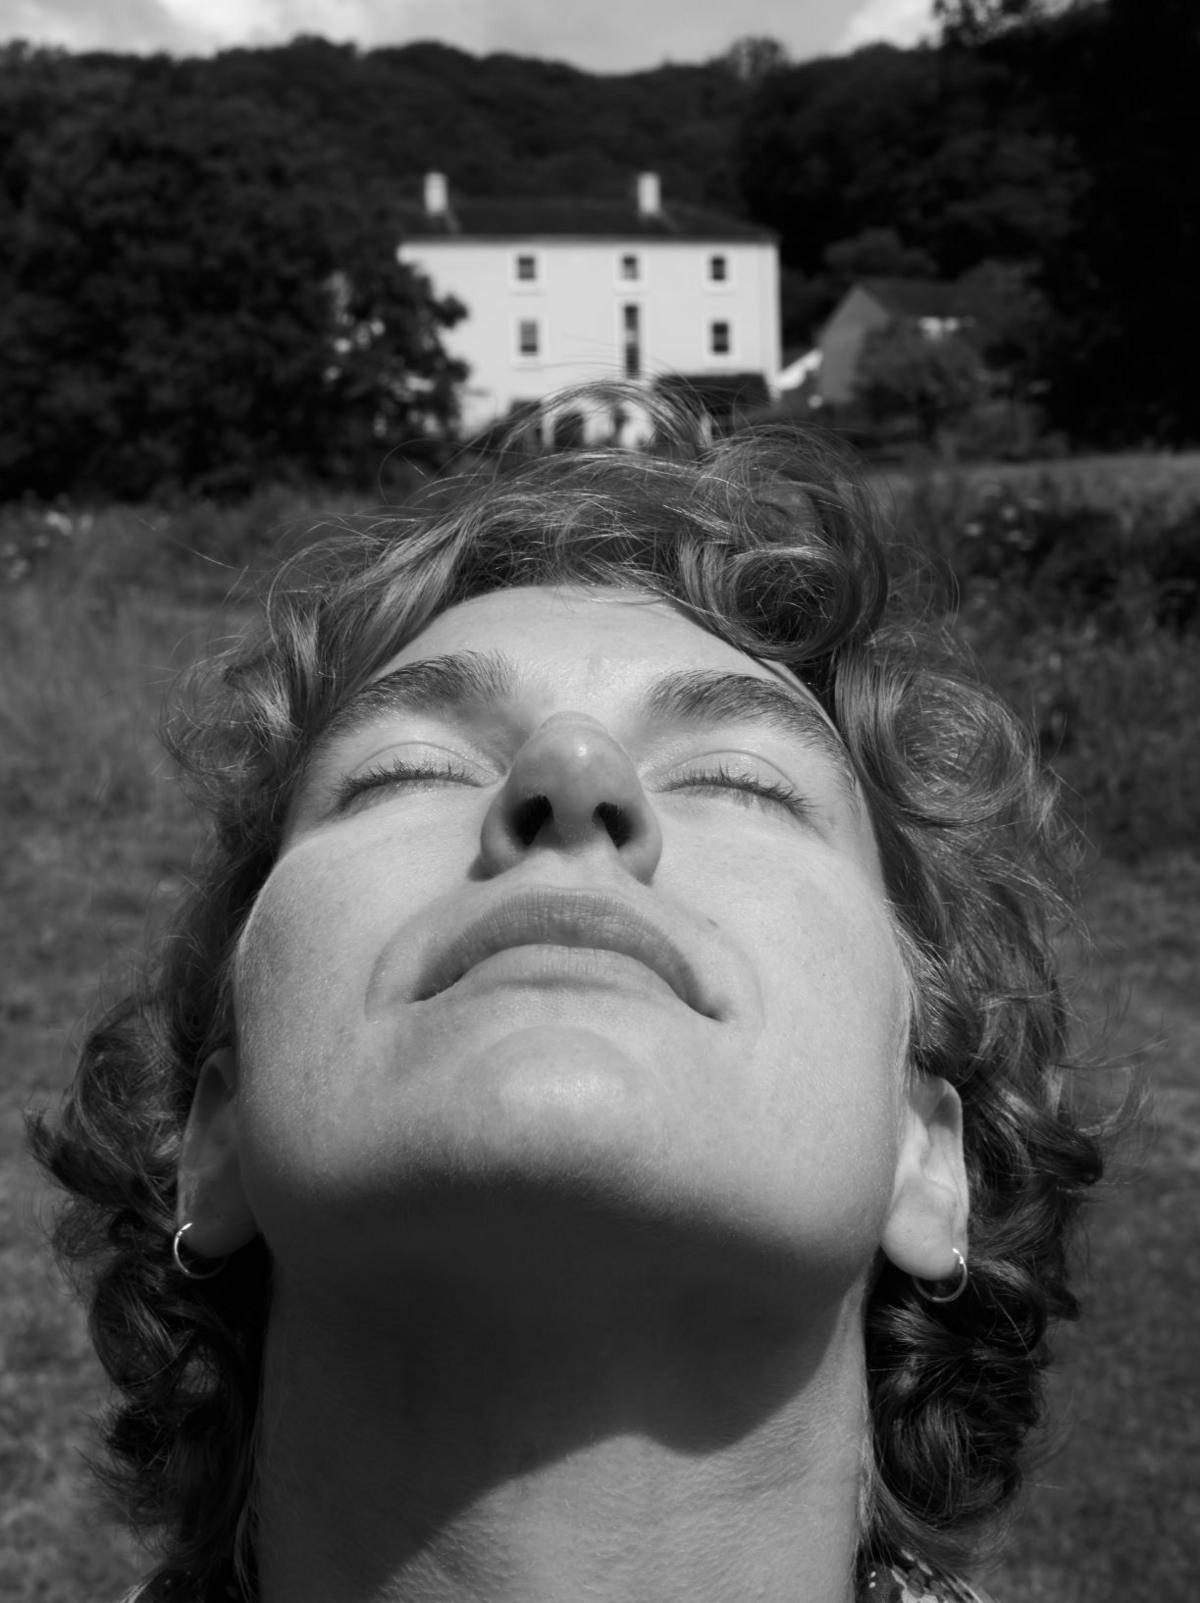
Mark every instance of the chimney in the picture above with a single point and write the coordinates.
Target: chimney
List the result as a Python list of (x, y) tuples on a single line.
[(437, 199), (649, 198)]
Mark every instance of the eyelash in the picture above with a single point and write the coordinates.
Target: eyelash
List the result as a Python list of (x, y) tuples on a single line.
[(354, 786), (746, 790)]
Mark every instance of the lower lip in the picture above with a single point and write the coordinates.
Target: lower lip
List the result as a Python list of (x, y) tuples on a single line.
[(561, 967)]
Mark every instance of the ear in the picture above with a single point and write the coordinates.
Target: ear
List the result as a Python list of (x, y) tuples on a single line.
[(928, 1214), (210, 1194)]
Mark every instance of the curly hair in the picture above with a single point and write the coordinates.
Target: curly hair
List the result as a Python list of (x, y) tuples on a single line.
[(774, 545)]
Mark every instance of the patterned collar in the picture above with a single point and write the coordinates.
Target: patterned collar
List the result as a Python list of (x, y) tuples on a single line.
[(914, 1582)]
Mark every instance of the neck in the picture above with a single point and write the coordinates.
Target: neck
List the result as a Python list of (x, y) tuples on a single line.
[(695, 1443)]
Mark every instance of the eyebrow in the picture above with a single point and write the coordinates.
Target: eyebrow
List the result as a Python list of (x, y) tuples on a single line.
[(708, 696), (432, 685), (456, 682)]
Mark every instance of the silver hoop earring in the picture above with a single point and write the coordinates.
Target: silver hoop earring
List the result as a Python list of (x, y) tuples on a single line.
[(962, 1275), (193, 1274)]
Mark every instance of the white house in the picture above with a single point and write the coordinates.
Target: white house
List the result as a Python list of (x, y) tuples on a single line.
[(564, 291)]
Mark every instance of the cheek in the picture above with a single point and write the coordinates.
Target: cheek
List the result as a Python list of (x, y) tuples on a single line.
[(813, 920), (297, 999), (298, 980), (835, 1007), (838, 987), (835, 1047), (329, 904), (294, 939)]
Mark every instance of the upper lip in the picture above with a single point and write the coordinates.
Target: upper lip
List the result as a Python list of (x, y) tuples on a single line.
[(559, 917)]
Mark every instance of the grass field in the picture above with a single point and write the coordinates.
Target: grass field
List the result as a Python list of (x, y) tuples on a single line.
[(93, 833)]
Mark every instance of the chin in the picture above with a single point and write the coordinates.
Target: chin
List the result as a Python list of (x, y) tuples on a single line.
[(553, 1101)]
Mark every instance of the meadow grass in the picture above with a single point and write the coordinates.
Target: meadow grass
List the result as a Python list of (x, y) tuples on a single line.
[(95, 833), (1114, 1515), (1135, 486)]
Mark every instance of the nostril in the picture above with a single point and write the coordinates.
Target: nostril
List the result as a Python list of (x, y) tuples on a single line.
[(529, 818), (616, 821)]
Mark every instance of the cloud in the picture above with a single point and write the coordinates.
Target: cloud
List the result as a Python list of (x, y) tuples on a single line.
[(625, 35), (193, 26), (616, 36), (221, 24), (82, 25), (897, 22)]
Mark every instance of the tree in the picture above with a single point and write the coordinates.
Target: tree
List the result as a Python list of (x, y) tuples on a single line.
[(935, 380), (877, 253), (804, 304), (1007, 318), (970, 22), (955, 153), (387, 380), (172, 315), (1122, 362), (753, 56)]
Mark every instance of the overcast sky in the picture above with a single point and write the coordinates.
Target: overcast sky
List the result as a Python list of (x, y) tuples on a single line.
[(601, 35)]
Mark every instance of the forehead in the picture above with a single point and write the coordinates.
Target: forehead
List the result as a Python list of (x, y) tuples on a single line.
[(584, 637)]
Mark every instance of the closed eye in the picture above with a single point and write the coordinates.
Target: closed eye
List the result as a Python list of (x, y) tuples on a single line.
[(748, 790), (397, 773)]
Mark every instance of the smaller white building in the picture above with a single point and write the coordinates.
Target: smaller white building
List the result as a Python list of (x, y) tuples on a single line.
[(873, 304), (562, 292)]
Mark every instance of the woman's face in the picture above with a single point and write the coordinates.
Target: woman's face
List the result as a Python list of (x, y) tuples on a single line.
[(577, 902)]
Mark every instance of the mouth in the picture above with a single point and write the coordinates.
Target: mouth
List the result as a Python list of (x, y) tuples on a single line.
[(566, 918)]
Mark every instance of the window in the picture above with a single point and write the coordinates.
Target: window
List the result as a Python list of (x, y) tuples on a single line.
[(629, 268), (529, 337), (631, 339), (525, 268), (720, 338), (718, 269)]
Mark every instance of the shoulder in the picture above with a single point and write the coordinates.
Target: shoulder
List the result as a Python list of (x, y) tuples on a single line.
[(914, 1583)]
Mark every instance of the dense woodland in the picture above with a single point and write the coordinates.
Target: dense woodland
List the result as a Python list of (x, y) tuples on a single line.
[(198, 287)]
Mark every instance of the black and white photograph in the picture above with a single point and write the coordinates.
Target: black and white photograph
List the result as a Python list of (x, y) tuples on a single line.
[(600, 801)]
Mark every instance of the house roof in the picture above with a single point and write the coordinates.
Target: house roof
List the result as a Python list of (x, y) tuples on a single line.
[(533, 218), (915, 297)]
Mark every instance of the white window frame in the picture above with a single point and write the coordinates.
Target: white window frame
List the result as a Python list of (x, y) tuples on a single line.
[(538, 281), (718, 284), (529, 358), (714, 355), (639, 277)]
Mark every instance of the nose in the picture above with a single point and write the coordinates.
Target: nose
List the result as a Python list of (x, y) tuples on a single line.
[(572, 788)]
